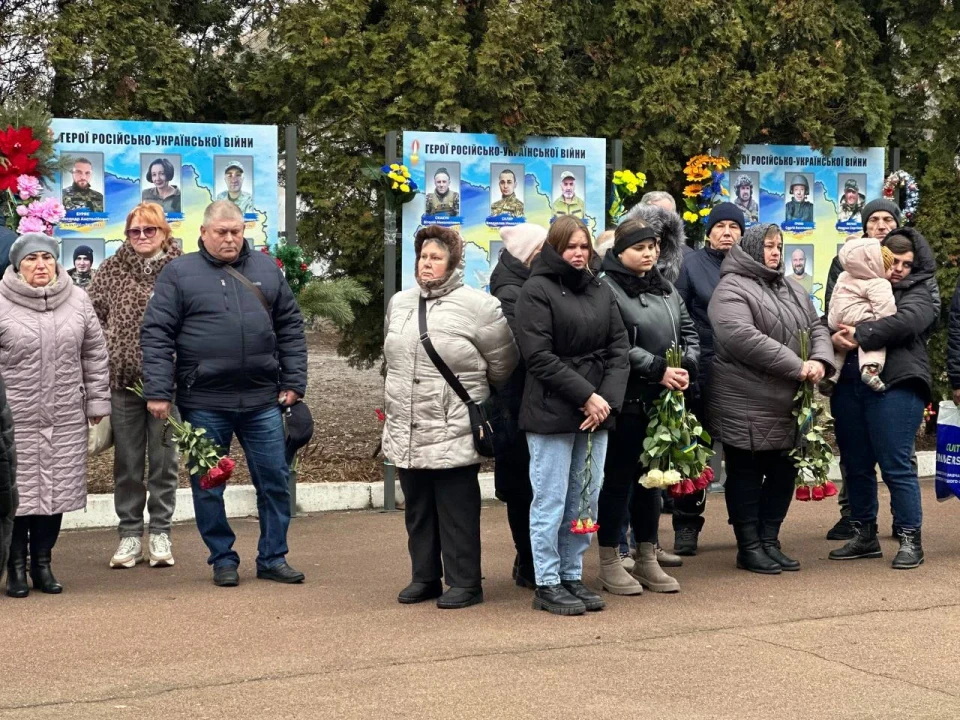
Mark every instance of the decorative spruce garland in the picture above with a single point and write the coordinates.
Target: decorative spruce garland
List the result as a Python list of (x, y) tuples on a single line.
[(901, 178)]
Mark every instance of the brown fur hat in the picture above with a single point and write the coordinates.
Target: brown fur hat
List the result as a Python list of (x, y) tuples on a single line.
[(450, 239)]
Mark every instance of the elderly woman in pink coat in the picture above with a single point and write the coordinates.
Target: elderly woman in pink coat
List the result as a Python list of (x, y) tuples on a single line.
[(53, 358)]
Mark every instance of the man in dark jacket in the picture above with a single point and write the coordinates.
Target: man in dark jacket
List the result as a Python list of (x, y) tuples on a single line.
[(699, 276), (237, 354), (7, 238)]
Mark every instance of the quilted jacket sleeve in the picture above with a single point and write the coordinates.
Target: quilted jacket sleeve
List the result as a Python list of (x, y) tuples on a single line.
[(95, 363), (158, 335), (735, 330), (291, 342), (494, 340)]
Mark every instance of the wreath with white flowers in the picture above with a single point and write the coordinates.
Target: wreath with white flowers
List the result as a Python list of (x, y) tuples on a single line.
[(902, 178)]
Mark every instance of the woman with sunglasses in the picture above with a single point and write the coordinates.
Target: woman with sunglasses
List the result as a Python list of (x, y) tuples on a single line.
[(120, 291)]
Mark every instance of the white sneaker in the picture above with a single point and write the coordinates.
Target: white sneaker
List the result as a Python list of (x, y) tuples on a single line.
[(161, 550), (128, 554)]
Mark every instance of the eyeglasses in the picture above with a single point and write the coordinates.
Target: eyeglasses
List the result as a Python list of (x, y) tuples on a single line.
[(147, 232)]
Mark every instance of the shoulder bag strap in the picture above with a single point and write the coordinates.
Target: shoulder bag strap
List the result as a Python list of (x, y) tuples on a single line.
[(249, 286), (448, 375)]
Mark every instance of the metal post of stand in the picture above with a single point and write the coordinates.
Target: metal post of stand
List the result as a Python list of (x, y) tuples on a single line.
[(290, 221), (389, 289)]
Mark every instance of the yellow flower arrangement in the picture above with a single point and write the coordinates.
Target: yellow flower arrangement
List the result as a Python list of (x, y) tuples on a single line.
[(705, 175), (625, 184)]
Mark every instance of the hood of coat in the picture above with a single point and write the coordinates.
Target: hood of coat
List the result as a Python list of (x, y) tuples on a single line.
[(924, 261), (550, 264), (862, 259), (509, 271), (738, 262), (138, 265), (39, 299), (669, 228)]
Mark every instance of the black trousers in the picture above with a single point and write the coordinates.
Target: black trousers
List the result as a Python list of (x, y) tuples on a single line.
[(442, 513), (759, 487), (621, 471), (511, 478), (39, 532)]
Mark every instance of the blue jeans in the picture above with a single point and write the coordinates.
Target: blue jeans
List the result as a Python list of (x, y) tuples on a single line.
[(556, 465), (879, 428), (261, 435)]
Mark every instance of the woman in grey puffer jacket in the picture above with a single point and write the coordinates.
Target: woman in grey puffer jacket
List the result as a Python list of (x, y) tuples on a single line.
[(757, 317), (427, 432)]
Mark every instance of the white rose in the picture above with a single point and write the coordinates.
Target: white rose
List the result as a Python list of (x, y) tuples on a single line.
[(671, 477)]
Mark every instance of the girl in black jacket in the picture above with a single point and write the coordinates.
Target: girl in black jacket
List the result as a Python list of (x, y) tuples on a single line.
[(655, 318), (573, 342)]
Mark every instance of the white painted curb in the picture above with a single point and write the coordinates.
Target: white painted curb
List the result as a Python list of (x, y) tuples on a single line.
[(241, 500)]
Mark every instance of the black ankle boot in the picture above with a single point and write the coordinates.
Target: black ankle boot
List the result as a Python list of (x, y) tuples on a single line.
[(864, 544), (17, 572), (770, 542), (42, 575), (750, 554), (910, 554)]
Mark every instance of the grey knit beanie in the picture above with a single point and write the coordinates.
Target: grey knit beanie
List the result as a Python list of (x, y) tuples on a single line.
[(30, 243), (880, 205), (752, 241)]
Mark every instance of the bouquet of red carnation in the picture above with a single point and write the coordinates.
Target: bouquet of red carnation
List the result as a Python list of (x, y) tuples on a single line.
[(198, 450), (813, 455)]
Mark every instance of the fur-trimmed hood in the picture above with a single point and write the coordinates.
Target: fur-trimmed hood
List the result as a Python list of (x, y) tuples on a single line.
[(669, 227)]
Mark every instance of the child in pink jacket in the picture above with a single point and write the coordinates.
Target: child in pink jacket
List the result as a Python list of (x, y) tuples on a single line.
[(863, 293)]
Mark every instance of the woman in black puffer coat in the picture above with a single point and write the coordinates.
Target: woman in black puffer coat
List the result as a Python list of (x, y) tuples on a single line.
[(656, 319), (574, 344)]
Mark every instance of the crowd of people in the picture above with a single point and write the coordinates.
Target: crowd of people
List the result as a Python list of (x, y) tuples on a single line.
[(569, 351)]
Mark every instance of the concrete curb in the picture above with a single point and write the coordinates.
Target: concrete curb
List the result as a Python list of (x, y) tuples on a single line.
[(241, 500)]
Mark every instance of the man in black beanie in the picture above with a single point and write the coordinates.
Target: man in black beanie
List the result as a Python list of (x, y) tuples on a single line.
[(82, 271), (699, 276)]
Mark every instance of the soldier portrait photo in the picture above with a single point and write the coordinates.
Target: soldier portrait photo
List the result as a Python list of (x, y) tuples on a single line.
[(798, 265), (852, 198), (745, 192), (799, 208), (82, 256), (567, 189), (444, 197), (79, 184), (506, 191), (235, 181)]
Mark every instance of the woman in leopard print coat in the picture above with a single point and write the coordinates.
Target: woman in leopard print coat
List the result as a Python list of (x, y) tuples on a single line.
[(120, 291)]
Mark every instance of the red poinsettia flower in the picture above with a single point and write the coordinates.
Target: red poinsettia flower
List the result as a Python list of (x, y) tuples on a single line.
[(803, 493), (18, 141), (829, 489)]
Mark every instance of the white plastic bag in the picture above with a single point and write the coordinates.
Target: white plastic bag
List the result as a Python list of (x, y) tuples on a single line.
[(99, 437), (948, 451)]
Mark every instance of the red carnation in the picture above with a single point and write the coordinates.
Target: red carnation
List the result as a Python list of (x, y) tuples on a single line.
[(803, 493), (829, 489), (19, 141), (818, 492)]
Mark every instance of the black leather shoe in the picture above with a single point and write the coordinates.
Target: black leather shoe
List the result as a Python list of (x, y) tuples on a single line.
[(42, 575), (226, 576), (281, 573), (417, 592), (864, 544), (910, 554), (591, 601), (17, 575), (457, 598), (685, 541), (557, 599), (843, 530)]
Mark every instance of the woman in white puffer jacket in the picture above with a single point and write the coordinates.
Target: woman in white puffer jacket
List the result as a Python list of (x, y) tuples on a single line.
[(427, 432)]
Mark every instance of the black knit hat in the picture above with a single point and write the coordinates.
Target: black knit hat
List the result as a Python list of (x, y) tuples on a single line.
[(84, 250), (880, 205), (725, 211), (632, 236)]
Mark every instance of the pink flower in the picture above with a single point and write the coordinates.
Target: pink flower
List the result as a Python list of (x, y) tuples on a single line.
[(53, 211), (31, 224), (28, 187), (23, 210)]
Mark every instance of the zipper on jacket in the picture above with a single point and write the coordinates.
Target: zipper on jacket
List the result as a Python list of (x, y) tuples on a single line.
[(223, 284)]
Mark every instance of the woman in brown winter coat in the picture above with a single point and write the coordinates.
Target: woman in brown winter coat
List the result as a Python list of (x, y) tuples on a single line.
[(120, 291), (53, 359), (757, 317)]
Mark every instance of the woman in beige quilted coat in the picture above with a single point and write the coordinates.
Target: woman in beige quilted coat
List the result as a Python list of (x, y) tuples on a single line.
[(427, 432), (53, 358)]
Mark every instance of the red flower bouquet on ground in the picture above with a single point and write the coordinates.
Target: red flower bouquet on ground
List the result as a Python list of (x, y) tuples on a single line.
[(584, 524), (812, 455), (199, 452)]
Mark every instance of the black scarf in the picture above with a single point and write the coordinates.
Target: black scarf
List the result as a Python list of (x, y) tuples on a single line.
[(652, 283)]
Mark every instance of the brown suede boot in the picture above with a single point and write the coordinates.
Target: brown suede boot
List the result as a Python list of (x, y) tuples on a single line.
[(650, 574), (613, 578)]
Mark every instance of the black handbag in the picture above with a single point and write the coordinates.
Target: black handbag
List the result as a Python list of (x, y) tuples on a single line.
[(485, 419)]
